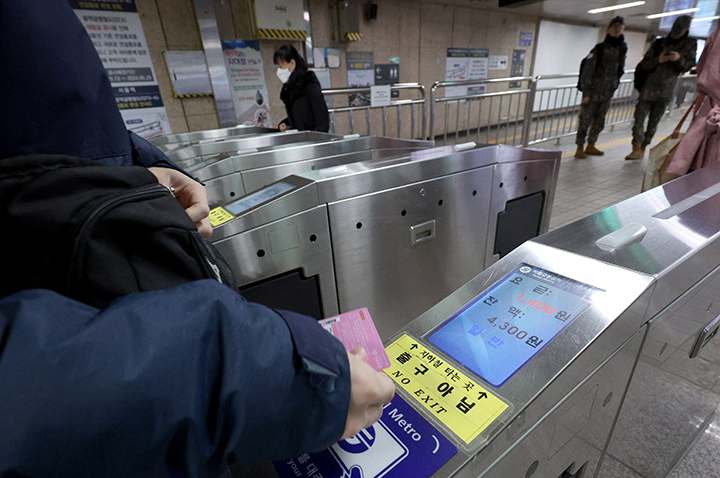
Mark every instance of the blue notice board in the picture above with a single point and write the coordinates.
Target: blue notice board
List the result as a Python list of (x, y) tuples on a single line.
[(526, 39), (400, 445)]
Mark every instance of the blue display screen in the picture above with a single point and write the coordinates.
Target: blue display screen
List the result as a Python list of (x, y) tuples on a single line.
[(505, 326), (258, 197)]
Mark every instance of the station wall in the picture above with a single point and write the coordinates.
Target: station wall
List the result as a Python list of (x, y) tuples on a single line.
[(419, 32)]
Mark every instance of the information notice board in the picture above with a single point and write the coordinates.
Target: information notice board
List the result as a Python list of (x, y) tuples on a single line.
[(244, 65), (116, 32), (465, 64)]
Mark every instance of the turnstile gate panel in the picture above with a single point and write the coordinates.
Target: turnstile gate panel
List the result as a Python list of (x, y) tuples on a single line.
[(608, 320), (419, 242), (404, 231)]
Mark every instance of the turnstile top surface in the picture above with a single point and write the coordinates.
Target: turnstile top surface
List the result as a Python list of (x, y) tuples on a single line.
[(297, 152), (617, 289), (210, 134), (680, 217), (612, 313), (342, 182), (680, 245), (259, 141)]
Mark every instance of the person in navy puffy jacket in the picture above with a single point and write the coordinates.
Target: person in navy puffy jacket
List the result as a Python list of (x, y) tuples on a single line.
[(176, 382)]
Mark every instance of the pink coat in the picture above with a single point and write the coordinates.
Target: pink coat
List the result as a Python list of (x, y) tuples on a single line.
[(701, 144)]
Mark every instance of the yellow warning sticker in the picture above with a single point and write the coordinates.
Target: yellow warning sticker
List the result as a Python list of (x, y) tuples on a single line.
[(219, 216), (462, 404)]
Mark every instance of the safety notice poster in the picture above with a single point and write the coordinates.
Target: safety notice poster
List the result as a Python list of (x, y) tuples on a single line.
[(464, 64), (360, 72), (247, 82), (116, 32), (478, 65)]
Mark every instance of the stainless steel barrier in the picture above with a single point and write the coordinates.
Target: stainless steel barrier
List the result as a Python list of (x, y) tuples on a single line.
[(557, 101), (189, 156), (685, 91), (394, 235), (495, 110), (170, 142), (228, 178), (415, 130), (590, 351), (550, 102)]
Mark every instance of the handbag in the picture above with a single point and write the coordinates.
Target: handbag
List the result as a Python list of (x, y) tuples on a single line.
[(662, 154)]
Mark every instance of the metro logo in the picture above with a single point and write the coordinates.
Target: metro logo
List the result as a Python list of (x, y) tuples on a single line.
[(375, 450)]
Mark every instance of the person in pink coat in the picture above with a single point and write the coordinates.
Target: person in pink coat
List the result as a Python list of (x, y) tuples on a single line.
[(701, 144)]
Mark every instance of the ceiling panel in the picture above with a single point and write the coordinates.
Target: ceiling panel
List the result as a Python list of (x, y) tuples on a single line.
[(635, 17)]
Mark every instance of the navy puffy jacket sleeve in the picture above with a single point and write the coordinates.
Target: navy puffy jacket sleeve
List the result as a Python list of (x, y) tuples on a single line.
[(182, 380)]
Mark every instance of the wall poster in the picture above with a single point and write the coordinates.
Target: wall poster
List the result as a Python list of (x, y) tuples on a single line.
[(517, 67), (115, 29), (465, 64), (360, 72), (247, 82)]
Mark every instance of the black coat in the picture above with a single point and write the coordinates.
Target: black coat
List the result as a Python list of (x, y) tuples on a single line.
[(304, 102)]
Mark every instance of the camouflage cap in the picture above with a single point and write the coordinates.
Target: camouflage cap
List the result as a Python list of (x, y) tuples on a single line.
[(680, 26), (616, 20)]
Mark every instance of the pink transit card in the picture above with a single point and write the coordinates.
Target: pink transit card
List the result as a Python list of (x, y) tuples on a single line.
[(356, 329)]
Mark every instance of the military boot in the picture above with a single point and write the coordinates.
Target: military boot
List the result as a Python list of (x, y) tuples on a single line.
[(580, 153), (638, 152), (592, 150)]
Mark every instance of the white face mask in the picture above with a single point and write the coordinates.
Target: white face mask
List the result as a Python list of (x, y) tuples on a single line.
[(283, 74)]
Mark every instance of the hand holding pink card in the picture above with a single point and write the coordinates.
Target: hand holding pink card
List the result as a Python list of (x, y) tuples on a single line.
[(356, 329)]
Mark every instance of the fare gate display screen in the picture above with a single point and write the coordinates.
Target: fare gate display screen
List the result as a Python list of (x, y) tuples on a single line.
[(504, 327), (252, 200)]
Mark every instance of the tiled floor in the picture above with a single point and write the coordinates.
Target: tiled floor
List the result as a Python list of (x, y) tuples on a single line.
[(586, 186)]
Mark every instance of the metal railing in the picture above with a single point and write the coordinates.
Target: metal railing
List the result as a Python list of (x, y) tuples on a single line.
[(550, 102), (488, 111), (343, 117), (478, 113), (556, 106), (685, 92)]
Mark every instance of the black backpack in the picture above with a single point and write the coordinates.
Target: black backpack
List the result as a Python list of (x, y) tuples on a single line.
[(95, 233), (641, 76), (583, 64)]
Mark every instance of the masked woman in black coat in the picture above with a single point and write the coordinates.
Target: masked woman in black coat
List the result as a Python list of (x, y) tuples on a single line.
[(301, 93)]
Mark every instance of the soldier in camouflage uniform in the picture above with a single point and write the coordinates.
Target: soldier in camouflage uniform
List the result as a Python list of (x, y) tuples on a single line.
[(599, 78), (655, 78)]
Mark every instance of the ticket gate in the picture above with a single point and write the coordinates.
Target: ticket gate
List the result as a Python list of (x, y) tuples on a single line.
[(191, 155), (584, 352), (170, 142), (394, 235), (230, 178)]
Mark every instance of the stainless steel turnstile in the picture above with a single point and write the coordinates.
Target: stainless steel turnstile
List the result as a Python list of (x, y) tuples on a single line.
[(230, 178), (173, 141), (674, 390), (191, 155), (395, 236), (585, 352)]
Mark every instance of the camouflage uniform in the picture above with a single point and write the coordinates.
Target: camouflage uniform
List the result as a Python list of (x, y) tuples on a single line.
[(657, 91), (601, 76)]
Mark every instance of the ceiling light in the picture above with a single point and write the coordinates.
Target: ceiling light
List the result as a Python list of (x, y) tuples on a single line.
[(706, 19), (616, 7), (670, 14)]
